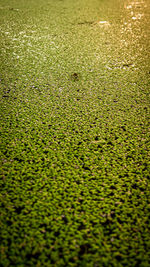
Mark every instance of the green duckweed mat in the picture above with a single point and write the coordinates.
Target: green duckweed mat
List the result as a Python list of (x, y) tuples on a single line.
[(74, 83)]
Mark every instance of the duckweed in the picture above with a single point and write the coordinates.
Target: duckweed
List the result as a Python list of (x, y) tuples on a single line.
[(74, 80)]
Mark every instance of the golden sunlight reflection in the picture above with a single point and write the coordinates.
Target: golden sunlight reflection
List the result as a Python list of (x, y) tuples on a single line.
[(135, 9), (137, 4), (133, 21), (135, 12)]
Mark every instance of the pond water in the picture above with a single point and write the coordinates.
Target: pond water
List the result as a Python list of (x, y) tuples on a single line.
[(74, 92)]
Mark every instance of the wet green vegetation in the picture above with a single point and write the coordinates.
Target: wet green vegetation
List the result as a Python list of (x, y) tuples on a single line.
[(74, 81)]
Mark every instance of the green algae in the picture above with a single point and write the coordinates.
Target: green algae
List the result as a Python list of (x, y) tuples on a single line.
[(74, 130)]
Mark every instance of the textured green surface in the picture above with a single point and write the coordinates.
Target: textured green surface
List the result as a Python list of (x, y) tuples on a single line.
[(74, 79)]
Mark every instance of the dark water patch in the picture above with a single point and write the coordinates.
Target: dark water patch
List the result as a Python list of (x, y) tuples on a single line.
[(86, 22), (75, 76)]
